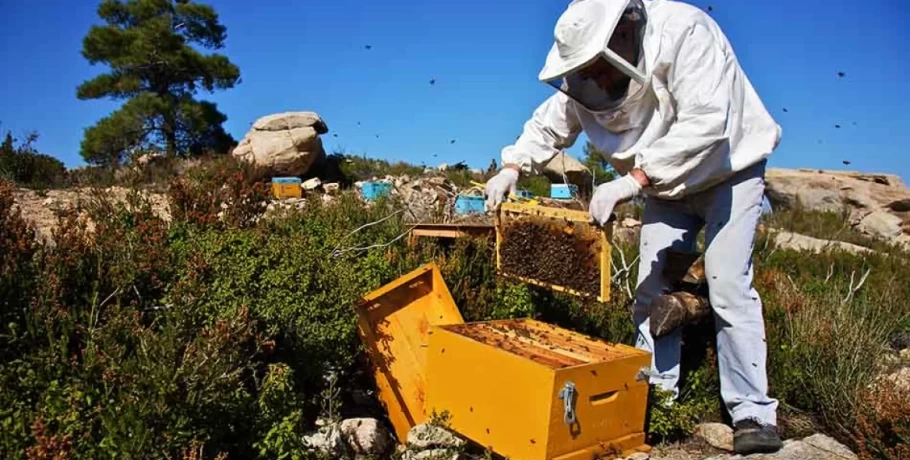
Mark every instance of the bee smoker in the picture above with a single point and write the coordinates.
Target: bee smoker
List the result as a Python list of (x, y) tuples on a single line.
[(687, 301)]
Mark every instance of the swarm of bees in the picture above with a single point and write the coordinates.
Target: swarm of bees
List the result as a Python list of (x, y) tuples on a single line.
[(543, 250)]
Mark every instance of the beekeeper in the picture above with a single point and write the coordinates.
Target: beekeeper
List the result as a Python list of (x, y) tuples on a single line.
[(656, 86)]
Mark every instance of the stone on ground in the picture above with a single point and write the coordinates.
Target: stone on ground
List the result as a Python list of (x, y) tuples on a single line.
[(366, 436), (638, 456), (327, 441), (432, 454), (311, 184), (798, 242), (718, 435), (815, 447), (425, 436)]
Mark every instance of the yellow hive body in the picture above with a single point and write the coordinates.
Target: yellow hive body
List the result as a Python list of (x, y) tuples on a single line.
[(572, 219), (394, 324), (501, 381), (282, 191)]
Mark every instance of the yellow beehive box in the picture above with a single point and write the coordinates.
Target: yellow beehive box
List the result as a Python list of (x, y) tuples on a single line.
[(531, 391), (394, 324), (551, 248)]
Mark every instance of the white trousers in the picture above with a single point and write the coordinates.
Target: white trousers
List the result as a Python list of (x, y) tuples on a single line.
[(730, 213)]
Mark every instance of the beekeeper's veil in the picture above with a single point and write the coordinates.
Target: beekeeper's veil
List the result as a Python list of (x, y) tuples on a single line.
[(583, 47)]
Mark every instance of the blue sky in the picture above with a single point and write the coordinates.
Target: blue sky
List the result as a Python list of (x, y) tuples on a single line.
[(484, 56)]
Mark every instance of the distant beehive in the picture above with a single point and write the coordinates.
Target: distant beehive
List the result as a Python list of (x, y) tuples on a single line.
[(286, 187)]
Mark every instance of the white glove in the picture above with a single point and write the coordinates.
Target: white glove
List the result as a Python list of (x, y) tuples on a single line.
[(498, 186), (608, 195)]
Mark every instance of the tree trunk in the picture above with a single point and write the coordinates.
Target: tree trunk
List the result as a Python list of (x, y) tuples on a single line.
[(170, 137), (170, 134)]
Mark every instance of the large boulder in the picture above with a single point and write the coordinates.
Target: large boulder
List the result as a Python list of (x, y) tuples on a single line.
[(284, 144), (877, 204)]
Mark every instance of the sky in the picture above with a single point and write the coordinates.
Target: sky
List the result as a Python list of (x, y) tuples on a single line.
[(484, 57)]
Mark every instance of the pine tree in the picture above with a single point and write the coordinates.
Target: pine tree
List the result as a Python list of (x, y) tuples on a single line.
[(596, 162), (152, 48)]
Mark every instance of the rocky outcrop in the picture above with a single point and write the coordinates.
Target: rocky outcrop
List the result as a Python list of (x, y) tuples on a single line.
[(877, 204), (798, 242), (815, 447), (284, 144)]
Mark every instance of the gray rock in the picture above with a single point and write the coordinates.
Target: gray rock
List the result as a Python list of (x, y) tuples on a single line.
[(826, 443), (881, 224), (638, 456), (425, 436), (815, 447), (327, 440), (366, 436), (291, 120), (798, 242), (900, 379), (717, 435), (311, 184), (285, 144), (877, 203), (432, 454)]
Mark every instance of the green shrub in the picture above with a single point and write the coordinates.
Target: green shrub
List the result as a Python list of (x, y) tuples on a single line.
[(25, 166), (359, 168), (538, 185), (227, 332)]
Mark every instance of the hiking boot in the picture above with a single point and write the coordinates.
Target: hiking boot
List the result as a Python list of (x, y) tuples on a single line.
[(751, 437)]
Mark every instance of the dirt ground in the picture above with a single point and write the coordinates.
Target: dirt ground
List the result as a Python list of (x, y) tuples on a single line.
[(41, 208)]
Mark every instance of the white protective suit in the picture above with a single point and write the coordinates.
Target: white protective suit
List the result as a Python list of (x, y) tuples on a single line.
[(696, 127), (694, 123)]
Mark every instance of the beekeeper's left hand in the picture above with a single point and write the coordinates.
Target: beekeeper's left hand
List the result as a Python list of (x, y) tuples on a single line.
[(609, 195)]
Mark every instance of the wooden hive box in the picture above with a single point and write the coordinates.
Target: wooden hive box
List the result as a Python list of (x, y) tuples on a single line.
[(503, 384), (286, 187), (394, 323), (571, 227)]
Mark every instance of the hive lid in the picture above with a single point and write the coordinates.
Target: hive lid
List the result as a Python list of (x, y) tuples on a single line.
[(286, 180), (394, 325)]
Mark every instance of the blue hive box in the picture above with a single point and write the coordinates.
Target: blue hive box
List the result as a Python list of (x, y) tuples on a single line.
[(524, 194), (469, 204), (372, 190), (563, 191)]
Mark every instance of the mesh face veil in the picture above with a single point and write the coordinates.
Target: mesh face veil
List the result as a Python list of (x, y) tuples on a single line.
[(598, 52)]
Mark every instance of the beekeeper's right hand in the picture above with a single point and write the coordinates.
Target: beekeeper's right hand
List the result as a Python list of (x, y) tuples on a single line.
[(499, 186)]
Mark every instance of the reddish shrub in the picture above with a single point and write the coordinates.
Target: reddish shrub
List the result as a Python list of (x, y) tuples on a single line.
[(882, 428), (223, 193), (17, 249)]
